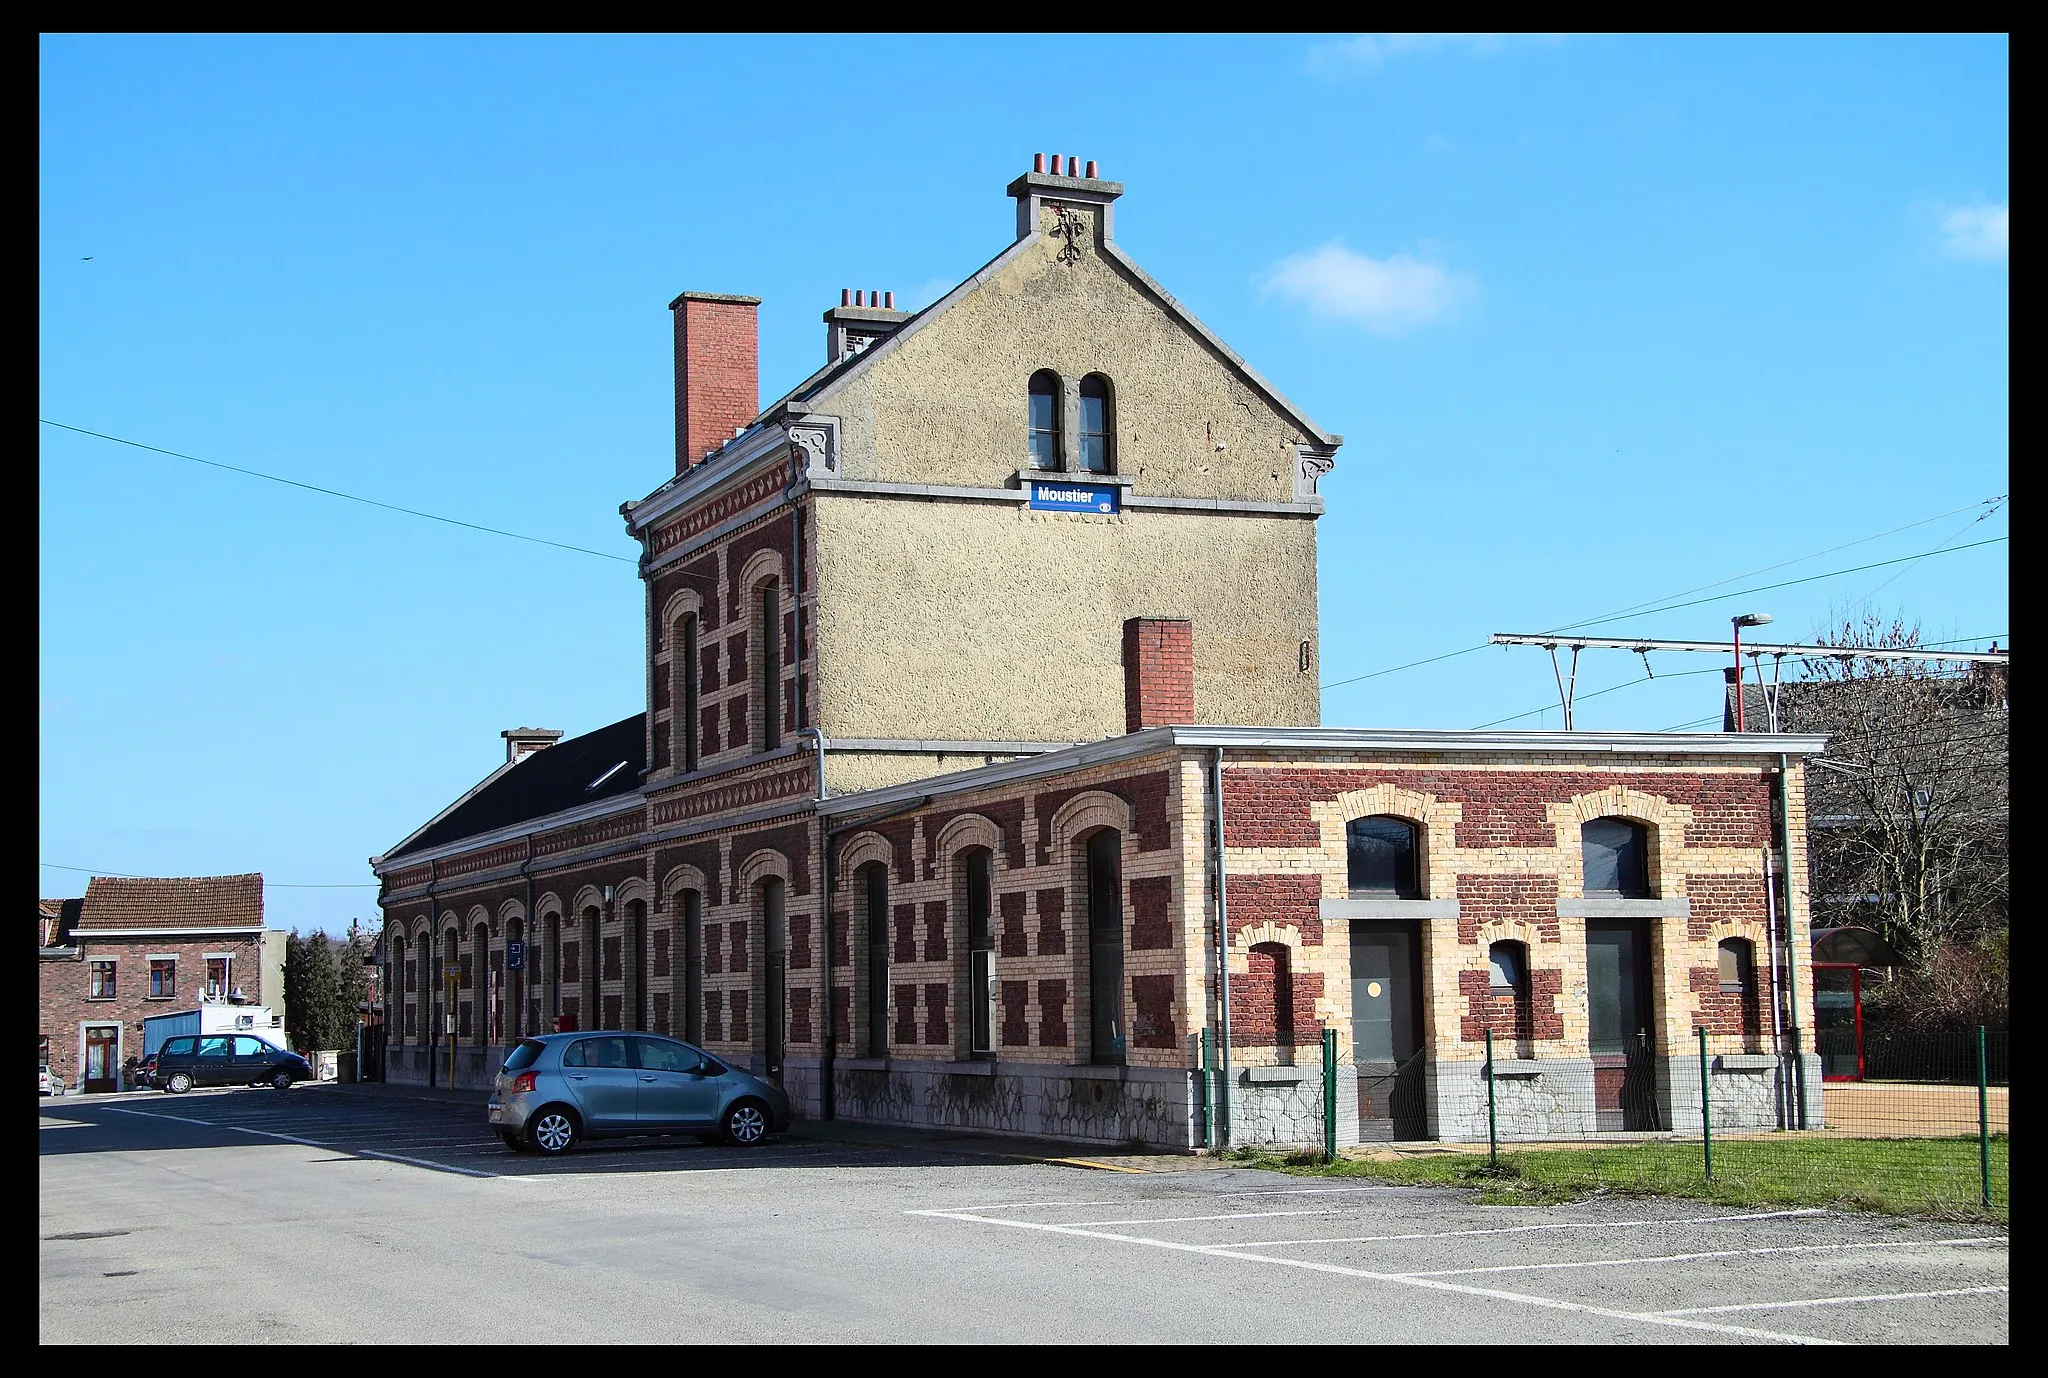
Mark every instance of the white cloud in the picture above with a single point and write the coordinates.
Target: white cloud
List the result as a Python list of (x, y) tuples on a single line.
[(1979, 231), (1375, 49), (1385, 295)]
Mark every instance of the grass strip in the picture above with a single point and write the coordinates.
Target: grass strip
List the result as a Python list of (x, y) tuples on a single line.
[(1936, 1178)]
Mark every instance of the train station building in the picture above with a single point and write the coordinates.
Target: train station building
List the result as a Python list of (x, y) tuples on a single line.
[(980, 777)]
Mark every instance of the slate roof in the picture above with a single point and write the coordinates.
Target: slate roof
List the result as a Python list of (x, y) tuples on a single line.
[(172, 902), (552, 779)]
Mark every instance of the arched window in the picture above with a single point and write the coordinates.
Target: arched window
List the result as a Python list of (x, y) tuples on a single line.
[(396, 991), (1106, 947), (769, 693), (1380, 853), (1043, 418), (1738, 978), (482, 1001), (978, 876), (1616, 855), (874, 891), (775, 945), (1272, 983), (1508, 969), (693, 966), (1098, 426), (685, 651), (1738, 965)]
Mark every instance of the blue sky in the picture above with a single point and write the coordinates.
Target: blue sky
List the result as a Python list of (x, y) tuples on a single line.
[(1601, 319)]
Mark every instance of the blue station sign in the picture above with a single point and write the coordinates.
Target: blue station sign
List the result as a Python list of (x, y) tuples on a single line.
[(1053, 496)]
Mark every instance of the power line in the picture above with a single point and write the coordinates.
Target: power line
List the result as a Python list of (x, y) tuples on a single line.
[(267, 884), (1651, 606), (1992, 502), (337, 493)]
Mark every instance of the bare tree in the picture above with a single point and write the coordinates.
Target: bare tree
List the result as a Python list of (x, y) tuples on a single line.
[(1908, 825)]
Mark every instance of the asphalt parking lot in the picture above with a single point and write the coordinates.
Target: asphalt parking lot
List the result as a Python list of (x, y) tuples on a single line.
[(339, 1215)]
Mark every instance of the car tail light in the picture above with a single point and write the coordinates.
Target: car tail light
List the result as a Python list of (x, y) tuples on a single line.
[(522, 1083)]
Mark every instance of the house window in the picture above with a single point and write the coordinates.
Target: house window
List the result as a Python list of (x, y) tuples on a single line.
[(874, 879), (1043, 400), (1738, 965), (1616, 856), (102, 981), (1097, 429), (1380, 852), (771, 665), (1508, 968), (687, 705), (217, 969), (163, 978)]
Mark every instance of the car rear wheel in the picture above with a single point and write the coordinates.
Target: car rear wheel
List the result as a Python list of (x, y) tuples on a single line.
[(179, 1084), (553, 1131), (281, 1080), (746, 1124)]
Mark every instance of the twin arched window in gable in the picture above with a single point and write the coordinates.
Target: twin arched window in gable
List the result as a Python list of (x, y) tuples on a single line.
[(1092, 447)]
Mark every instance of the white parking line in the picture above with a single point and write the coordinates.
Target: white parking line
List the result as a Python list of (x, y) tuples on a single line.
[(1834, 1301), (1205, 1196), (320, 1143), (1513, 1229), (1717, 1253), (1432, 1284), (1186, 1219)]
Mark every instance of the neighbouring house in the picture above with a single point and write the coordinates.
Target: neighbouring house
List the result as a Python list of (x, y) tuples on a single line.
[(136, 946), (981, 755)]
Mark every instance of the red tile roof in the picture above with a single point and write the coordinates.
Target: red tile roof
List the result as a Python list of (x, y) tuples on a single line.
[(172, 902)]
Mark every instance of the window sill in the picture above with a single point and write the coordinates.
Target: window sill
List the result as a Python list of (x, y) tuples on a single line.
[(1025, 476), (1615, 907), (1383, 907)]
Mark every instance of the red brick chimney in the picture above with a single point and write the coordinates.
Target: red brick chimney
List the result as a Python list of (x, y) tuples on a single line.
[(1159, 672), (718, 371)]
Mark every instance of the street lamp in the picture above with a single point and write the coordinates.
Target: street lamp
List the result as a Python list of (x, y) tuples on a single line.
[(1747, 619)]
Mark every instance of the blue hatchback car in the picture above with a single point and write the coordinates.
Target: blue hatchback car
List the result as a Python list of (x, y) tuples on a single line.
[(557, 1088)]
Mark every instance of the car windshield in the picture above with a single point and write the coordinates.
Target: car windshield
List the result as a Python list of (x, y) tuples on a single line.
[(523, 1054)]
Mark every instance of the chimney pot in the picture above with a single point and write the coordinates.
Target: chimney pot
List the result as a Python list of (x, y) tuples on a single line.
[(1091, 169), (1073, 166), (860, 298), (1038, 162), (846, 296), (889, 301)]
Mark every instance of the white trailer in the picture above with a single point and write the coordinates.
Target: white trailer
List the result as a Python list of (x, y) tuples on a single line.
[(214, 1018)]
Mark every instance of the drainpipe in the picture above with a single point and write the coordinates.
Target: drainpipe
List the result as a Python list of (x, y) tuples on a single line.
[(1798, 1077), (526, 977), (433, 1031), (1777, 986), (1222, 955), (818, 738), (796, 651)]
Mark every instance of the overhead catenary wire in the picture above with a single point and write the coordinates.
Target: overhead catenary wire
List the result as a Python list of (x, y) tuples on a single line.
[(337, 493), (267, 882), (1652, 605)]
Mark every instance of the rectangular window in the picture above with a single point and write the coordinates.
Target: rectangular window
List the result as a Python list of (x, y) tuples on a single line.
[(102, 981), (217, 972), (163, 978)]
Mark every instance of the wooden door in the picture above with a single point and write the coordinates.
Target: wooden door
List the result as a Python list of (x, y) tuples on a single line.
[(103, 1057)]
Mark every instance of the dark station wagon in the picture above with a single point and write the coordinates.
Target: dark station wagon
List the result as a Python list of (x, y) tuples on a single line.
[(189, 1060)]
